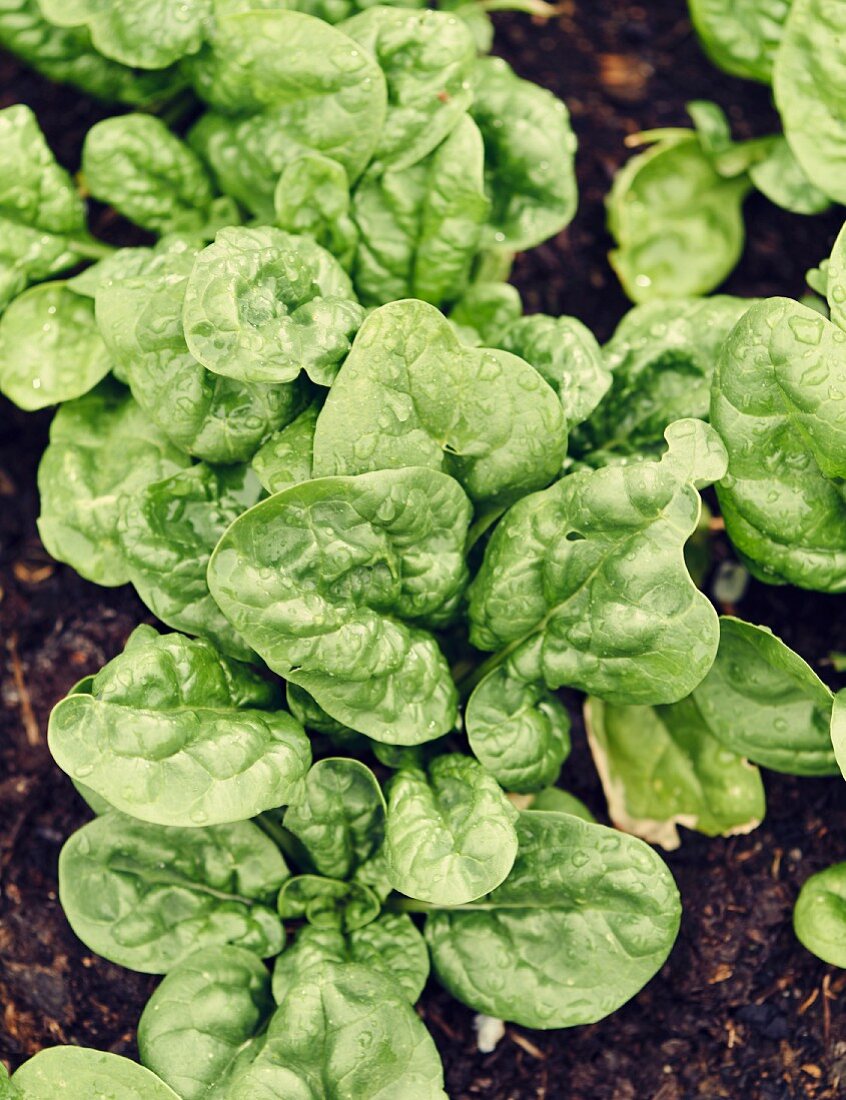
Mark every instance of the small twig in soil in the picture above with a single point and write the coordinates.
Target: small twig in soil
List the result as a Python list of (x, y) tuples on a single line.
[(33, 733), (527, 1045), (827, 997)]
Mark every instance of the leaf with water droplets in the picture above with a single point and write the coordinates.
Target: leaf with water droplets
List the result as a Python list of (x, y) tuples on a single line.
[(328, 902), (80, 1073), (286, 458)]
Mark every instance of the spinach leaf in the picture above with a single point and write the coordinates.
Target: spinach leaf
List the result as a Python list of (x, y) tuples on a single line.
[(419, 228), (583, 921), (50, 348), (328, 902), (838, 730), (167, 532), (338, 815), (286, 458), (318, 1034), (763, 702), (677, 222), (135, 164), (450, 831), (741, 36), (818, 918), (175, 734), (517, 730), (310, 714), (204, 1021), (148, 896), (102, 449), (218, 419), (327, 581), (782, 179), (428, 59), (484, 312), (261, 305), (549, 594), (410, 394), (390, 945), (662, 767), (558, 801), (136, 32), (79, 1073), (313, 196), (775, 404), (529, 153)]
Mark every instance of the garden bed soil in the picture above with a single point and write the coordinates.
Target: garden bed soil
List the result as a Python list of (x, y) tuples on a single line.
[(740, 1010)]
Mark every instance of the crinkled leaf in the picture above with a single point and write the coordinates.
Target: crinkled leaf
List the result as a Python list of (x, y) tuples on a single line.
[(218, 419), (175, 734), (261, 306), (764, 702), (410, 394), (484, 312), (102, 449), (310, 714), (338, 815), (328, 902), (148, 896), (313, 196), (450, 831), (149, 34), (776, 402), (741, 36), (390, 945), (323, 580), (782, 179), (662, 767), (517, 730), (317, 1039), (529, 153), (50, 348), (677, 222), (80, 1073), (819, 918), (286, 458), (204, 1019), (583, 921), (167, 532), (419, 228), (551, 585), (428, 59)]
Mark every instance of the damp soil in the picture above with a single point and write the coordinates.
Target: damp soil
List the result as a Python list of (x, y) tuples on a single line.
[(740, 1010)]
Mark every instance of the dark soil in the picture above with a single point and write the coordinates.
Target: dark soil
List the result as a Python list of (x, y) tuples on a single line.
[(740, 1010)]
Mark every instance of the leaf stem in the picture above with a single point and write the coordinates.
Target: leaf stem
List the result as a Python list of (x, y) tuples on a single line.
[(90, 248), (481, 524), (280, 837), (530, 7)]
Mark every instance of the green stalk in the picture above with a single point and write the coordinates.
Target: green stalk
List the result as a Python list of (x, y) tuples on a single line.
[(280, 836), (91, 249)]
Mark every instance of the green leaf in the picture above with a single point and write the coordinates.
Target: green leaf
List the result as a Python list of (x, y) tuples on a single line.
[(484, 312), (819, 918), (316, 87), (136, 32), (677, 222), (529, 153), (328, 902), (518, 731), (838, 730), (345, 1031), (410, 394), (310, 714), (662, 767), (763, 702), (775, 404), (313, 196), (391, 945), (167, 532), (741, 36), (338, 815), (40, 210), (139, 312), (327, 580), (420, 227), (286, 458), (566, 353), (261, 305), (428, 59), (450, 833), (781, 178), (583, 921), (550, 590), (135, 164), (175, 734), (79, 1073), (557, 801), (203, 1021), (148, 896), (50, 349), (661, 358), (809, 84), (102, 449)]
